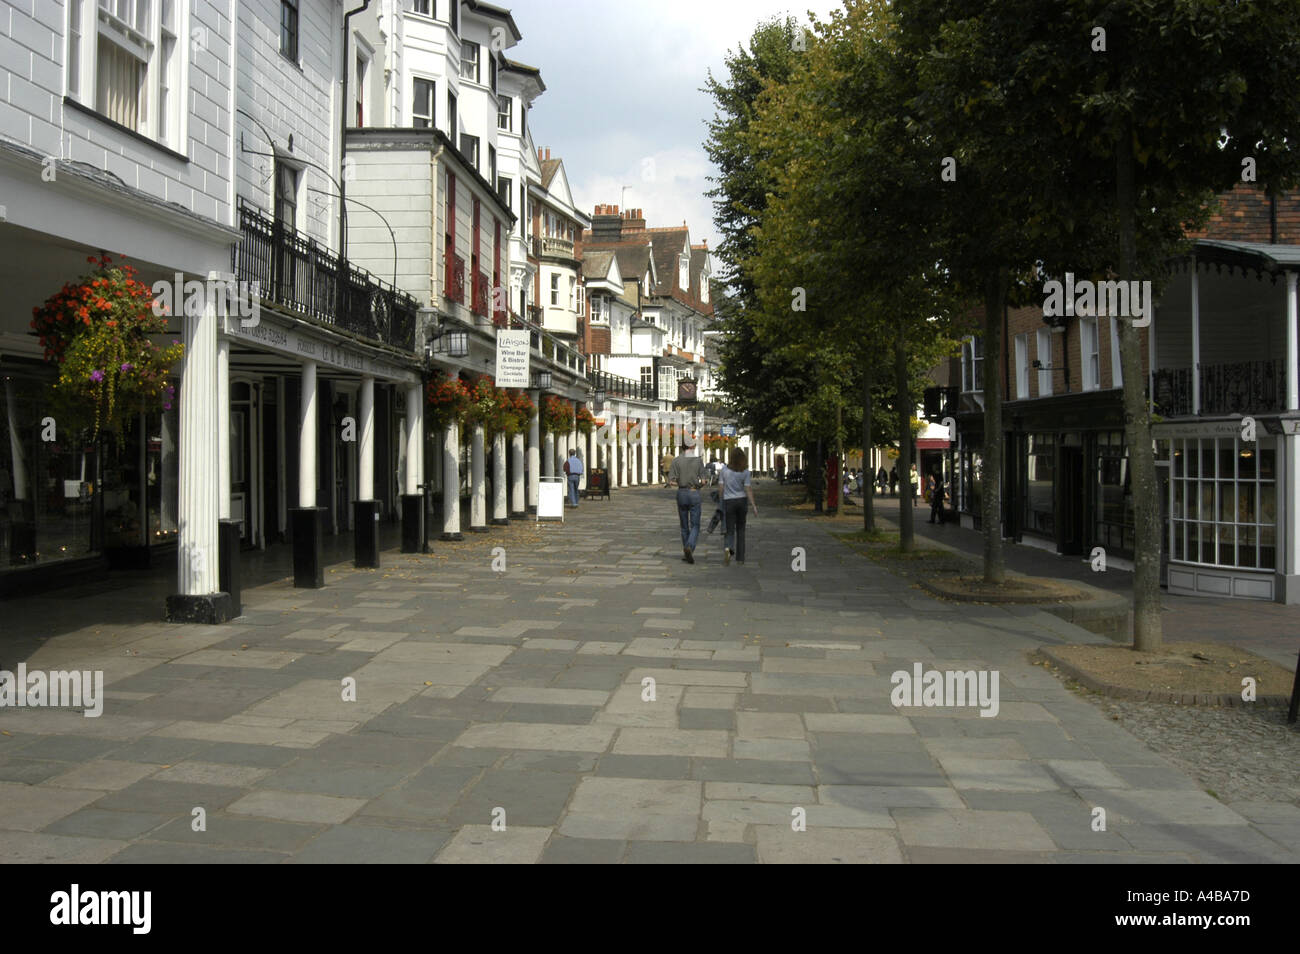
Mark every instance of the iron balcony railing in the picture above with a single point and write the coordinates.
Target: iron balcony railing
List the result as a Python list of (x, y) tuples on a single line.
[(297, 273), (543, 344), (1244, 387), (617, 387)]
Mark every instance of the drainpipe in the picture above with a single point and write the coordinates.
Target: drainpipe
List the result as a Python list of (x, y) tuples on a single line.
[(343, 140)]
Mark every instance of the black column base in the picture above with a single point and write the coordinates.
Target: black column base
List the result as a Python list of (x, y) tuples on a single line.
[(209, 609), (452, 537), (22, 542), (228, 563), (532, 509), (500, 521), (412, 523), (365, 517), (478, 529), (308, 524), (517, 514)]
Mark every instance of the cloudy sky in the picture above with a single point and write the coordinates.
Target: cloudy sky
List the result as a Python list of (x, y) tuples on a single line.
[(623, 105)]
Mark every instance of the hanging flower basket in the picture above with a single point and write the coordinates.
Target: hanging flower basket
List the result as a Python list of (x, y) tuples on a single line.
[(521, 411), (97, 332), (557, 415), (446, 400), (586, 420)]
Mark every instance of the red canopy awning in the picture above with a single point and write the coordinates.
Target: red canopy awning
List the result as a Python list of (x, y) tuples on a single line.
[(931, 443)]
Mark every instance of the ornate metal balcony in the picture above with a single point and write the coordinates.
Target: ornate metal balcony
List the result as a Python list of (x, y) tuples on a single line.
[(297, 273), (1246, 387), (615, 386), (454, 280)]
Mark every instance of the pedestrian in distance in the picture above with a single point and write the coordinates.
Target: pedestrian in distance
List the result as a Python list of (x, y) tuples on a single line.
[(737, 489), (665, 465), (573, 469), (893, 480), (687, 474), (915, 483), (882, 480), (936, 499)]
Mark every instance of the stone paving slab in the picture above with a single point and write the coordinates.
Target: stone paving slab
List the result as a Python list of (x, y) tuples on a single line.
[(522, 702)]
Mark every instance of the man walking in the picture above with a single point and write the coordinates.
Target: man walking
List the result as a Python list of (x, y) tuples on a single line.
[(573, 467), (687, 475)]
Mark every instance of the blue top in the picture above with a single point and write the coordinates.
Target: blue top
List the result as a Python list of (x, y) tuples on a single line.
[(575, 466), (733, 483)]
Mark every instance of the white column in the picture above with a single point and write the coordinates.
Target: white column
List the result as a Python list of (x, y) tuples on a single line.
[(517, 482), (534, 450), (223, 428), (196, 559), (414, 446), (548, 455), (451, 481), (500, 511), (647, 466), (307, 437), (655, 453), (477, 487), (1196, 341), (366, 457), (616, 429)]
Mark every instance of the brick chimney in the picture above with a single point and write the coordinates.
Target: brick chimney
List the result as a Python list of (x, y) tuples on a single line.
[(633, 222), (606, 224)]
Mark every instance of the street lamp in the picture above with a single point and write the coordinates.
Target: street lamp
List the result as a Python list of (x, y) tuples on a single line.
[(453, 344), (544, 380)]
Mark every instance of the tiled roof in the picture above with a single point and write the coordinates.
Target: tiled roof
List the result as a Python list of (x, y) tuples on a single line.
[(595, 264), (549, 168)]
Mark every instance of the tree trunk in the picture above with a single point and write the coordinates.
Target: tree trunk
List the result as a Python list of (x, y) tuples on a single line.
[(1147, 630), (869, 482), (906, 504), (995, 570)]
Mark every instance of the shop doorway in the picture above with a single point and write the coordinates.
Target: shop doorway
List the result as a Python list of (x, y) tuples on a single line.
[(1070, 501), (246, 503)]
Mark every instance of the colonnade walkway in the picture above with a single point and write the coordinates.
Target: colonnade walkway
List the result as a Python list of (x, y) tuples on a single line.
[(589, 696)]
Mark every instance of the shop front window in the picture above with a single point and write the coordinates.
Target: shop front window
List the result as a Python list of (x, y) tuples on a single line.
[(1223, 502), (49, 478), (1040, 482), (1114, 504), (64, 496)]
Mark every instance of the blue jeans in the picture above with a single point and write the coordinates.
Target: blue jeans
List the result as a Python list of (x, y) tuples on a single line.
[(574, 480), (688, 511)]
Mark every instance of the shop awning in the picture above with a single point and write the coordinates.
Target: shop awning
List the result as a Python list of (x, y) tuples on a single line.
[(932, 443)]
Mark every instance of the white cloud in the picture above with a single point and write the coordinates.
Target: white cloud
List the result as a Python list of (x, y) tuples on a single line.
[(623, 86)]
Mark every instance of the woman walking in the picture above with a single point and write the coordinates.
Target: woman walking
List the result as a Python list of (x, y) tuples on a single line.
[(736, 487)]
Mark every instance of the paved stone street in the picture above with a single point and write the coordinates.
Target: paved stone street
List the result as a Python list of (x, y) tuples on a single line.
[(522, 699)]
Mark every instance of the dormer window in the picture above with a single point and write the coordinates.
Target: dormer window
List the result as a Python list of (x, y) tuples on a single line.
[(683, 273)]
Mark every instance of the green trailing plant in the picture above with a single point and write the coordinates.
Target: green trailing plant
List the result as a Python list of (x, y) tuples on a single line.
[(97, 331)]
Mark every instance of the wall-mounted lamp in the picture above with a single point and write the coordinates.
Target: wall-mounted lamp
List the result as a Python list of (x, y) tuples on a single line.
[(452, 344)]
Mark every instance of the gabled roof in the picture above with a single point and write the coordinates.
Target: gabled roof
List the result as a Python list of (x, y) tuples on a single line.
[(633, 259), (549, 168), (596, 265), (669, 244)]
